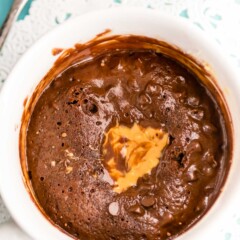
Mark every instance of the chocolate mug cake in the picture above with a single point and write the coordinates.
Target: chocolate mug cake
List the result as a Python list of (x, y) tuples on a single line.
[(124, 141)]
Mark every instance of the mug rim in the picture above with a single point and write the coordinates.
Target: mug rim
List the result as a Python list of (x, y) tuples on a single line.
[(34, 50)]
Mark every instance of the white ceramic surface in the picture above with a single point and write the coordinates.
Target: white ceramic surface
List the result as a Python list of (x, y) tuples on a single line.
[(36, 62)]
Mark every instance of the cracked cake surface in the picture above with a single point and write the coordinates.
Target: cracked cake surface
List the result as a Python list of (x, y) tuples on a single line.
[(71, 176)]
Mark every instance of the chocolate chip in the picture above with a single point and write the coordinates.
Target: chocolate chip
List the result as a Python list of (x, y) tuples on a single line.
[(192, 174), (194, 146), (209, 189), (214, 163), (202, 204), (191, 177), (133, 85), (137, 209), (209, 128), (208, 157), (193, 101), (55, 106), (166, 218), (148, 201), (207, 170), (144, 99), (196, 114), (153, 89), (180, 79)]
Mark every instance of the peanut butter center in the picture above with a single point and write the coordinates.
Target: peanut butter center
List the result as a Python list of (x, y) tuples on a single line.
[(130, 153)]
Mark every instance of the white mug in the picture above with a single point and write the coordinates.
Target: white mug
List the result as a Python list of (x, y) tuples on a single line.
[(38, 60)]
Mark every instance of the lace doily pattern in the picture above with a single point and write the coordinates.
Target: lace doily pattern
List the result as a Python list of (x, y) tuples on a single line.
[(220, 20)]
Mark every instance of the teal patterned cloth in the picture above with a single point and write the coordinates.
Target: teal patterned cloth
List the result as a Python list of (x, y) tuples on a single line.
[(5, 6), (220, 20)]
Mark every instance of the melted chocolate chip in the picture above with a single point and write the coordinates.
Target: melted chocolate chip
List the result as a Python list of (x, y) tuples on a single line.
[(122, 85), (148, 201), (137, 209)]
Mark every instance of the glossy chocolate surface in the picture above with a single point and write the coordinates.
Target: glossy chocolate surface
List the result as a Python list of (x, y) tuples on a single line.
[(126, 85)]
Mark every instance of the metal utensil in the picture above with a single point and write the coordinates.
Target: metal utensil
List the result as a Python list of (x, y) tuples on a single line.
[(15, 10)]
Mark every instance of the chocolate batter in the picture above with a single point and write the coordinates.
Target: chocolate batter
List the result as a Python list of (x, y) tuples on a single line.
[(68, 126)]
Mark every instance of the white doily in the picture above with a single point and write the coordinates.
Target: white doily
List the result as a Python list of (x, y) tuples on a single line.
[(220, 20)]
